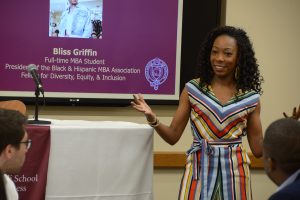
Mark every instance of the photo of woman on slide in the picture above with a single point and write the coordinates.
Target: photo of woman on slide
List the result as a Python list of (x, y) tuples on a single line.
[(76, 18)]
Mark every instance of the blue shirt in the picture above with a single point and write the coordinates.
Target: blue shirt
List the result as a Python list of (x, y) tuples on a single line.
[(76, 22)]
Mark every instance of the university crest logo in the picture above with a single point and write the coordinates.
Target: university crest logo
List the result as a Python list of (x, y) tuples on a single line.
[(156, 72)]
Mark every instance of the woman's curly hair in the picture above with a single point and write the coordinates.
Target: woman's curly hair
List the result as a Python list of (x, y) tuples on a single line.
[(248, 73)]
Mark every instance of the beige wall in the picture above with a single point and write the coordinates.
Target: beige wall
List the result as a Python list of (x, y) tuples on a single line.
[(274, 28)]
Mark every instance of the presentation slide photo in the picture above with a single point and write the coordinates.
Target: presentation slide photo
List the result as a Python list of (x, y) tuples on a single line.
[(76, 18)]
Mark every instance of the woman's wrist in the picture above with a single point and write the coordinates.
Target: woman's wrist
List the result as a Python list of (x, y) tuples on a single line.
[(151, 119), (153, 123)]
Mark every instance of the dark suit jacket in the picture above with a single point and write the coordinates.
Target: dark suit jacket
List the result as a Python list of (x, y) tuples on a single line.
[(290, 192)]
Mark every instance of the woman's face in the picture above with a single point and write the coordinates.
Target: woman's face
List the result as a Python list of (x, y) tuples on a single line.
[(223, 56), (73, 2)]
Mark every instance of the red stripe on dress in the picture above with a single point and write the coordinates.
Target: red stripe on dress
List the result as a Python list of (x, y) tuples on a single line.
[(241, 175), (192, 189), (212, 126)]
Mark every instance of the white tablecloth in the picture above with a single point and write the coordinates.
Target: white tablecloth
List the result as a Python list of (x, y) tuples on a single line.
[(100, 160)]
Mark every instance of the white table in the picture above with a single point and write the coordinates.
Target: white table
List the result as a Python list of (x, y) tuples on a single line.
[(107, 160)]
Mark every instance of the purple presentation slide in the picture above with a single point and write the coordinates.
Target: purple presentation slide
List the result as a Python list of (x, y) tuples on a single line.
[(90, 46)]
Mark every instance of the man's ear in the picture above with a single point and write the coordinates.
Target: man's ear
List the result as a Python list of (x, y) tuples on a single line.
[(9, 151), (271, 164)]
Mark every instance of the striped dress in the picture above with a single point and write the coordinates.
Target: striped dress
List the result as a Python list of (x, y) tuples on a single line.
[(217, 165)]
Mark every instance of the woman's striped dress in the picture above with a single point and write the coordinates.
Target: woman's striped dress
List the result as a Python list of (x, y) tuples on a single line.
[(217, 165)]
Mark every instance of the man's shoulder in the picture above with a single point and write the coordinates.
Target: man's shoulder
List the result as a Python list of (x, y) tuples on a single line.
[(290, 192), (10, 187), (6, 177)]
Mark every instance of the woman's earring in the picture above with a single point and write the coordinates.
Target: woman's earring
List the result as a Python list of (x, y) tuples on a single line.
[(237, 72)]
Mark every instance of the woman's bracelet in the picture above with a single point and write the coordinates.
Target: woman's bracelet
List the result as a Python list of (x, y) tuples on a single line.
[(155, 123)]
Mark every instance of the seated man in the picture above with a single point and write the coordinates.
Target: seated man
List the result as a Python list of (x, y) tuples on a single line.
[(14, 144), (281, 156)]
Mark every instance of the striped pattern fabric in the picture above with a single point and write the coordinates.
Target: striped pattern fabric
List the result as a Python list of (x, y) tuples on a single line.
[(217, 165)]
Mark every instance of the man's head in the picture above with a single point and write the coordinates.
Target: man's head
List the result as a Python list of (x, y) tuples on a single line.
[(13, 141), (73, 2), (282, 149)]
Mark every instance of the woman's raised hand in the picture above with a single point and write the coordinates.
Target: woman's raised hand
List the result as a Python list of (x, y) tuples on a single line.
[(140, 105)]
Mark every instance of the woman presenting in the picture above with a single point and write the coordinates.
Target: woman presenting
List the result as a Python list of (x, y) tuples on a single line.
[(223, 106)]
